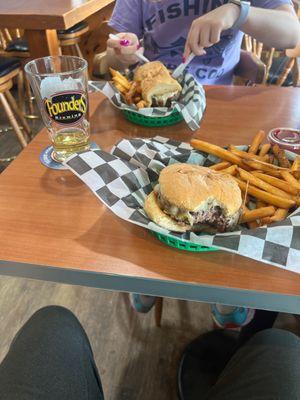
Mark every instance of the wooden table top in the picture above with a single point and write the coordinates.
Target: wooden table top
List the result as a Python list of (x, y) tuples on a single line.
[(54, 14), (50, 218)]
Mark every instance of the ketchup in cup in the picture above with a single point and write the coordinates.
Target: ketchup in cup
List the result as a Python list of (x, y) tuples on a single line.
[(286, 138)]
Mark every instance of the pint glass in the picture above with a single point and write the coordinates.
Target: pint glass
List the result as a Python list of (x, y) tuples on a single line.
[(60, 87)]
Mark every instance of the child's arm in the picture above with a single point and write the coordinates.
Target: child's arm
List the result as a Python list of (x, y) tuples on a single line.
[(126, 17), (277, 28)]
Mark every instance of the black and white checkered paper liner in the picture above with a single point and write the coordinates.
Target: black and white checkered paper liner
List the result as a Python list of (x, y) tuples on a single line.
[(123, 179), (191, 103)]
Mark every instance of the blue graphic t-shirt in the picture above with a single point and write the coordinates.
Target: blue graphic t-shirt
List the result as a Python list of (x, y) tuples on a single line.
[(164, 26)]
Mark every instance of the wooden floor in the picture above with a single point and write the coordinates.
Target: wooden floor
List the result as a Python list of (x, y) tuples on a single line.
[(137, 361)]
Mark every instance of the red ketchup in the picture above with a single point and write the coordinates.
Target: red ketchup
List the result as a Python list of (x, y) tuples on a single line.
[(286, 138)]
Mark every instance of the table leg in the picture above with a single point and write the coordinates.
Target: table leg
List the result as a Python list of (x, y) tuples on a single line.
[(42, 43)]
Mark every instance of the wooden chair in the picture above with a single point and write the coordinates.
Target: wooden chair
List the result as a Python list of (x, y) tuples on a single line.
[(291, 66), (289, 61), (9, 69), (15, 45), (250, 70), (70, 38)]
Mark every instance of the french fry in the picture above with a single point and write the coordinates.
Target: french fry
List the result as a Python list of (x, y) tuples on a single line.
[(221, 165), (280, 214), (279, 183), (141, 104), (290, 179), (255, 181), (271, 159), (112, 72), (280, 154), (267, 158), (252, 224), (121, 80), (296, 164), (216, 151), (247, 156), (230, 170), (265, 196), (260, 204), (253, 215), (265, 221), (262, 166), (258, 138), (130, 94), (264, 149), (120, 88), (295, 169)]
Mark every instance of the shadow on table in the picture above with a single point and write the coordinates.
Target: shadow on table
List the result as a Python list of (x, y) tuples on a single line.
[(140, 251)]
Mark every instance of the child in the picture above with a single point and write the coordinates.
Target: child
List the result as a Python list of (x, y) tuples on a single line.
[(213, 31), (210, 29)]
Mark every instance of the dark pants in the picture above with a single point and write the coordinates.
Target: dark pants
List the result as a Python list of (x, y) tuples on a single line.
[(51, 358)]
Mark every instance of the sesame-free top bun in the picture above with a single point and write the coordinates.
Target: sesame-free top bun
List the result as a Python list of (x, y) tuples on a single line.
[(193, 198), (150, 70), (156, 83), (191, 187)]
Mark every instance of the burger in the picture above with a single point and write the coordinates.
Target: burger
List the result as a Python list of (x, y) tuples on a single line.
[(158, 88), (193, 198)]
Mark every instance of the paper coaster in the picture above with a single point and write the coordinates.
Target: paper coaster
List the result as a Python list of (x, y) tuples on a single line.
[(46, 157)]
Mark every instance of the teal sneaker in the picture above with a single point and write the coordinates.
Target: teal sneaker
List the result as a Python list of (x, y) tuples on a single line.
[(141, 303), (235, 318)]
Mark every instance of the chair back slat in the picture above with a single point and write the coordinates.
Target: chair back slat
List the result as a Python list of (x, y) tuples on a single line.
[(287, 69), (259, 50), (269, 61), (3, 42), (7, 34)]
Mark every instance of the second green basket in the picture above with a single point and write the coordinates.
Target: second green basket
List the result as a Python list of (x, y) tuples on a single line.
[(140, 119)]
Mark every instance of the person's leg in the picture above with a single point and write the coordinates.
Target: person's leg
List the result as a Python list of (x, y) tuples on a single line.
[(262, 320), (267, 367), (51, 359)]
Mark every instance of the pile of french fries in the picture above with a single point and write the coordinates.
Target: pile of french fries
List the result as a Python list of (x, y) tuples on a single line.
[(270, 183), (130, 91)]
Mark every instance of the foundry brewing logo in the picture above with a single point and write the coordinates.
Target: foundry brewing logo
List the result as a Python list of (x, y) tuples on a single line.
[(66, 107)]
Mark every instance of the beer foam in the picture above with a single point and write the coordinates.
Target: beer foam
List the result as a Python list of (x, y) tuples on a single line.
[(54, 84)]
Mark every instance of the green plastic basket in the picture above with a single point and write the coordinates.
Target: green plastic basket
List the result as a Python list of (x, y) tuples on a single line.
[(140, 119), (182, 245)]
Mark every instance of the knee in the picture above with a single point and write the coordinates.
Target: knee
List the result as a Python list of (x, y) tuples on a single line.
[(54, 314), (278, 337), (53, 321)]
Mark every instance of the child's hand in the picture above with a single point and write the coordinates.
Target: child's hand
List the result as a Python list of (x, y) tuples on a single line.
[(124, 49), (206, 30)]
